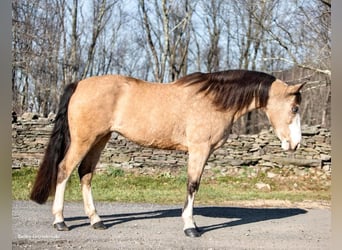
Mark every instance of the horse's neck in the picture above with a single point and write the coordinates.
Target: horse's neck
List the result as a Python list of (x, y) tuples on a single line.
[(244, 111)]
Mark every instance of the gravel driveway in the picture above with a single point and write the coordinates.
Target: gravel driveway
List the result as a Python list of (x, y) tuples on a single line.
[(151, 226)]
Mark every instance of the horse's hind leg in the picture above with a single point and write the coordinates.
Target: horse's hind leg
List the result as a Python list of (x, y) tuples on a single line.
[(85, 172), (74, 155)]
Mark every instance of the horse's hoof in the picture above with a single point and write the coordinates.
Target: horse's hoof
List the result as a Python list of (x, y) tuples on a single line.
[(192, 232), (61, 226), (99, 225)]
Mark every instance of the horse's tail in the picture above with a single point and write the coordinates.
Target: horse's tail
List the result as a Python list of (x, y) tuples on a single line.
[(46, 178)]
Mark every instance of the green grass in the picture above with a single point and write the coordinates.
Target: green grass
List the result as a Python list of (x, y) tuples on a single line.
[(166, 188)]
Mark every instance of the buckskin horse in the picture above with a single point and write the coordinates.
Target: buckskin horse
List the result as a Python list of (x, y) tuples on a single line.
[(193, 114)]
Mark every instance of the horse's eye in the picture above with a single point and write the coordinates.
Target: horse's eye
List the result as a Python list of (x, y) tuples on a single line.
[(295, 109)]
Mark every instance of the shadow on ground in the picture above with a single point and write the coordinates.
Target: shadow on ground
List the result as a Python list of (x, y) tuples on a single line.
[(235, 216)]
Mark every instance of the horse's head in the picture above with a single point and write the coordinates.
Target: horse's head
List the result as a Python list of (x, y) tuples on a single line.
[(282, 110)]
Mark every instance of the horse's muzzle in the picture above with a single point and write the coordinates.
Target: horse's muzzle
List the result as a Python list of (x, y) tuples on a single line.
[(286, 146)]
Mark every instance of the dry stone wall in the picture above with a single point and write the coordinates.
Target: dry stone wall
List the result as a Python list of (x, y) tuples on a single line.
[(30, 137)]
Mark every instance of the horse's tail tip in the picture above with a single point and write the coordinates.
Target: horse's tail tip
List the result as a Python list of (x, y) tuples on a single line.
[(39, 199), (40, 202)]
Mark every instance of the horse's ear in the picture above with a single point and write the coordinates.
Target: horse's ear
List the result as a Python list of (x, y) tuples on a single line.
[(296, 88)]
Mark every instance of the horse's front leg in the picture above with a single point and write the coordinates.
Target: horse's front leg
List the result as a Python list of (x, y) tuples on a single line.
[(198, 156)]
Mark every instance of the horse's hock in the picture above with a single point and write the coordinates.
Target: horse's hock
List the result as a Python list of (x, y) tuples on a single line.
[(30, 137)]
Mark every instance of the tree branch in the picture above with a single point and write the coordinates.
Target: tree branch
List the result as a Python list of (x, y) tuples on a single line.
[(326, 2), (304, 66)]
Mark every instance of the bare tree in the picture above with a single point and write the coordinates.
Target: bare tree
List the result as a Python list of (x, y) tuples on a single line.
[(56, 42), (101, 14), (180, 21), (157, 71), (310, 50), (23, 19), (35, 51), (214, 28), (168, 46)]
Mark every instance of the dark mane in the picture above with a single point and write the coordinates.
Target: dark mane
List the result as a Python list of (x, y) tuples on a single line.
[(232, 89)]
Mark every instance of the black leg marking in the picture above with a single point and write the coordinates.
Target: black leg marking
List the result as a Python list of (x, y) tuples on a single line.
[(61, 226), (99, 225), (192, 187), (192, 232)]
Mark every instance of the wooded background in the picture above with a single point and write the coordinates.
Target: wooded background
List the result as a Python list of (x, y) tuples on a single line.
[(56, 42)]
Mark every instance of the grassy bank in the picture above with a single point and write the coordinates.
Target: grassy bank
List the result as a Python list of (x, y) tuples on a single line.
[(169, 187)]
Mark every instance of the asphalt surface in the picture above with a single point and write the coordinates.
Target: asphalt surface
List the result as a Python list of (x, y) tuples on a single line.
[(151, 226)]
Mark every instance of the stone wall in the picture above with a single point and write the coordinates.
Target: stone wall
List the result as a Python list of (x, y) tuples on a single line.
[(30, 137)]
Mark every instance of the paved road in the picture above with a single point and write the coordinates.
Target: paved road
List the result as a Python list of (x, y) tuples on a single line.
[(149, 226)]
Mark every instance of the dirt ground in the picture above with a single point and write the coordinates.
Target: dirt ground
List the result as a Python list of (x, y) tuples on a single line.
[(263, 225)]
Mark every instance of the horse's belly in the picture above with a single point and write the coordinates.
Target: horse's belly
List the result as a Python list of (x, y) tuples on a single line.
[(162, 144), (155, 138)]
